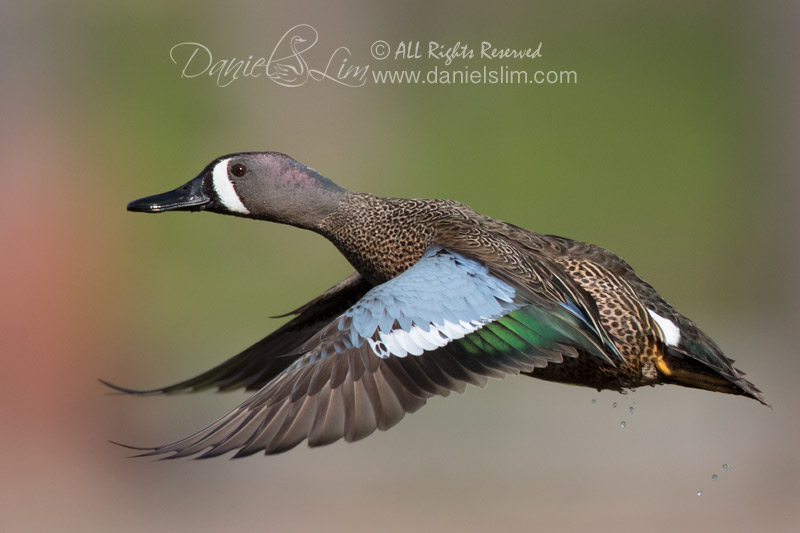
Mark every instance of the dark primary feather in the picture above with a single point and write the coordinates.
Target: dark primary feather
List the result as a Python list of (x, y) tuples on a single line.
[(257, 365), (353, 393)]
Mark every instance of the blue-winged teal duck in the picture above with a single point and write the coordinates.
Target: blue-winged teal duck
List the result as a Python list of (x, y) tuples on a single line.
[(441, 297)]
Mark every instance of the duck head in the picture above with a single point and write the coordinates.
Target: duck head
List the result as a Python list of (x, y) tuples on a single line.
[(261, 185)]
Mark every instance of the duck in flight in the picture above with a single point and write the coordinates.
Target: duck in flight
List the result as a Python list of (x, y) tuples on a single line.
[(441, 297)]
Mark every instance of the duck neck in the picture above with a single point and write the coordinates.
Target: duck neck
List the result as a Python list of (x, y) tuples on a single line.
[(380, 237)]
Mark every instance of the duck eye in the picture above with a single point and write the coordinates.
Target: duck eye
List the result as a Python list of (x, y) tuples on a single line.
[(238, 170)]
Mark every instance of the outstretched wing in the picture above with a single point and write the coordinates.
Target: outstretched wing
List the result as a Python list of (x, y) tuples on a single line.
[(443, 323), (260, 363)]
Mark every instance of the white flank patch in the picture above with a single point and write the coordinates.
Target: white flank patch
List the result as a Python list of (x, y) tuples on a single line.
[(225, 191), (672, 333), (417, 341)]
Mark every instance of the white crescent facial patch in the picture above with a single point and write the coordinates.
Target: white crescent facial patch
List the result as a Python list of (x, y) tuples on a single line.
[(225, 190)]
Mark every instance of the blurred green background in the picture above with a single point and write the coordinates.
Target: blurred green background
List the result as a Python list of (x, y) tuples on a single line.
[(676, 149)]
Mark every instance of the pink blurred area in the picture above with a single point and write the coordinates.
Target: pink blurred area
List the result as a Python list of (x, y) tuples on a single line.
[(90, 291), (54, 321)]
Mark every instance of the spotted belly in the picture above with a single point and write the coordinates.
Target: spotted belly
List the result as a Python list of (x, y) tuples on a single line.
[(587, 370)]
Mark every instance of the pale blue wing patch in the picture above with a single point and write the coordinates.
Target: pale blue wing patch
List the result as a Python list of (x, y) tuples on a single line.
[(441, 298)]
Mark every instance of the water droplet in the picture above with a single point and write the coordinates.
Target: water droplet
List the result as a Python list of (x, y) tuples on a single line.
[(725, 466), (614, 405), (714, 477), (631, 409), (624, 392), (623, 424), (594, 401), (699, 492)]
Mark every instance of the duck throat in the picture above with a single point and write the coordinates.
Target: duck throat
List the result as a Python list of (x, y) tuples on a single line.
[(380, 237)]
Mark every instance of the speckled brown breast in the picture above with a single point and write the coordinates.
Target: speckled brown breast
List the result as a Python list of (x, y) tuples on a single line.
[(383, 237)]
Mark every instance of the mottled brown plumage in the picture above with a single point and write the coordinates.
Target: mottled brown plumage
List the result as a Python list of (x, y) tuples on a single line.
[(490, 299), (382, 237)]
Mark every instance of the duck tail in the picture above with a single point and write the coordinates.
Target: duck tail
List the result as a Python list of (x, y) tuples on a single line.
[(678, 368)]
